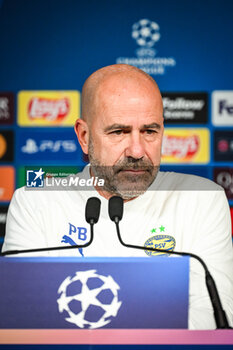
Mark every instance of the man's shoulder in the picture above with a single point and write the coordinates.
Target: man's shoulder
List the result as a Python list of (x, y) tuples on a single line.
[(172, 181), (31, 197)]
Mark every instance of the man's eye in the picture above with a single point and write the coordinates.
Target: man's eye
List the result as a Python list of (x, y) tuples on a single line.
[(116, 132), (150, 131)]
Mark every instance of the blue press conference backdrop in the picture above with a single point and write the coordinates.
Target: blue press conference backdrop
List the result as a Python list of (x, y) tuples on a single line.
[(55, 44)]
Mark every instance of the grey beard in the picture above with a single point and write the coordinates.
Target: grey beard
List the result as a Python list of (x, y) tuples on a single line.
[(125, 184)]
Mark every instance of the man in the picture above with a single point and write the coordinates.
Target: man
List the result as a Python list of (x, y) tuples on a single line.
[(121, 131)]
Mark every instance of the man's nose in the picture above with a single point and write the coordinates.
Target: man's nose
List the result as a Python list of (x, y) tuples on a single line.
[(135, 147)]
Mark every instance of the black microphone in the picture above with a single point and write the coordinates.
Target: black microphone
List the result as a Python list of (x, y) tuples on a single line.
[(92, 213), (115, 210)]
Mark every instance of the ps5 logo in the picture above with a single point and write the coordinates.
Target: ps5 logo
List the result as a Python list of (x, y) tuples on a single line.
[(31, 146)]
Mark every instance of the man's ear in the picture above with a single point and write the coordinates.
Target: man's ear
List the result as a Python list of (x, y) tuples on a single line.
[(82, 132)]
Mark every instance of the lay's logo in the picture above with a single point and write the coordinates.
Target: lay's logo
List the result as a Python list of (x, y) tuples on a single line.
[(48, 108), (185, 146), (181, 147)]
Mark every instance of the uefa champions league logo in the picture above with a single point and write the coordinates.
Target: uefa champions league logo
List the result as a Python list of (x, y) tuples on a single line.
[(89, 299), (146, 34)]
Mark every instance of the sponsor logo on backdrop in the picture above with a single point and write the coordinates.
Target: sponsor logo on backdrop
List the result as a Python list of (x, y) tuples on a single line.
[(232, 221), (3, 146), (32, 147), (95, 303), (185, 146), (189, 108), (223, 145), (224, 177), (222, 108), (47, 146), (146, 34), (6, 108), (48, 108), (7, 183), (3, 214), (6, 146)]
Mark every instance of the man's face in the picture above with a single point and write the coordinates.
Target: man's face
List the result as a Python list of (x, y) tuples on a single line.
[(126, 136)]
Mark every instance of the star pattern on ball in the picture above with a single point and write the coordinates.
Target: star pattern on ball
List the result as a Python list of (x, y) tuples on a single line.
[(87, 297), (146, 33)]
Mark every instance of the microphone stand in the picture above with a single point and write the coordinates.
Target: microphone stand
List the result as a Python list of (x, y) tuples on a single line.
[(35, 250), (92, 212), (219, 313)]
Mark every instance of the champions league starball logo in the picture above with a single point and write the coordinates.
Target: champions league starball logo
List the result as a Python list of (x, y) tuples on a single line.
[(146, 34), (89, 299)]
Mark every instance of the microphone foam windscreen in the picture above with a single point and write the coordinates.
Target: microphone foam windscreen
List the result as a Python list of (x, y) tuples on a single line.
[(92, 211), (115, 208)]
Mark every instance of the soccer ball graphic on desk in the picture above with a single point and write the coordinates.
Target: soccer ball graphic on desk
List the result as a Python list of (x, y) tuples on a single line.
[(90, 299), (146, 32)]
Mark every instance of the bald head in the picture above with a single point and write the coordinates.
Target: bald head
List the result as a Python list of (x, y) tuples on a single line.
[(116, 75)]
